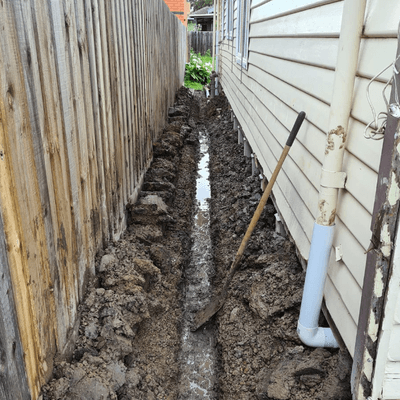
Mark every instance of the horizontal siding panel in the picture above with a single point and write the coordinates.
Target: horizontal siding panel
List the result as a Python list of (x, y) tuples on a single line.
[(273, 134), (382, 18), (340, 315), (391, 389), (271, 9), (345, 284), (317, 82), (296, 99), (322, 21), (394, 345), (353, 253), (356, 218), (356, 183), (375, 55), (268, 162), (361, 181), (366, 150), (392, 368), (397, 312), (320, 52), (361, 108), (361, 176)]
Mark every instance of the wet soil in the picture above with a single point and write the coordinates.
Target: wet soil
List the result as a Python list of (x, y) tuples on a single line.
[(134, 317), (261, 355)]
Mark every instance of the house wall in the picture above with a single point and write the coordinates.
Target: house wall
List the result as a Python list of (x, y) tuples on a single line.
[(291, 68)]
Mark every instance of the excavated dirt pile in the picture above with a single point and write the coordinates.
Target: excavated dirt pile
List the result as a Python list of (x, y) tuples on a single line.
[(131, 318), (129, 337), (260, 353)]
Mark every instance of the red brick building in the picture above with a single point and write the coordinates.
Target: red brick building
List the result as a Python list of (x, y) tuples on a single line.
[(181, 8)]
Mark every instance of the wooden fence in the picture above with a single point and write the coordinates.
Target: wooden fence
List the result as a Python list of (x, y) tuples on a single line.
[(200, 42), (84, 90)]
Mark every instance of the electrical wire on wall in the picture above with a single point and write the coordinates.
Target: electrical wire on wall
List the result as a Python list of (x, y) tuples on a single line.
[(376, 129)]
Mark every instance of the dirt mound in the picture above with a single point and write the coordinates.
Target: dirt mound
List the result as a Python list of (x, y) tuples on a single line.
[(261, 354), (131, 318), (129, 336)]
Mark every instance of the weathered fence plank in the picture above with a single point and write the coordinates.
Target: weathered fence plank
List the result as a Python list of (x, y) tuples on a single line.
[(200, 42), (85, 86), (13, 380)]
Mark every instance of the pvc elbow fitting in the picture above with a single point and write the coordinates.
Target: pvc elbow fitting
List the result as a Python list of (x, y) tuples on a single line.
[(316, 337)]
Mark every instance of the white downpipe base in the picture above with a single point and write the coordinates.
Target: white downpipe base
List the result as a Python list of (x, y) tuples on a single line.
[(316, 337), (317, 269)]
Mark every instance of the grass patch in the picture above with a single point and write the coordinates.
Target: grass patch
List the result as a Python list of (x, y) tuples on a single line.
[(198, 71), (193, 85)]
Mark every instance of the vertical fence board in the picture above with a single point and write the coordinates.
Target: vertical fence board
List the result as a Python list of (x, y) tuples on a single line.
[(103, 223), (79, 144), (13, 380), (200, 42), (114, 81), (93, 173)]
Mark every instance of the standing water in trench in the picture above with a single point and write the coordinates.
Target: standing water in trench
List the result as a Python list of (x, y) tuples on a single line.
[(198, 356)]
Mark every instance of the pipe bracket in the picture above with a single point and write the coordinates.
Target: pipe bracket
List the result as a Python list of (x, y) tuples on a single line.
[(332, 179)]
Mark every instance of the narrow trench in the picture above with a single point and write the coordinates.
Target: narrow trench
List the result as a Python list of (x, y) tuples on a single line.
[(134, 339), (198, 354)]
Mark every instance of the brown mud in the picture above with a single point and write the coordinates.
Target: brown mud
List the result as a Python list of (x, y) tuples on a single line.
[(134, 313)]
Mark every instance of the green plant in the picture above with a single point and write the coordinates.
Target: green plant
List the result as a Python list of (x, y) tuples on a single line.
[(197, 4), (208, 53), (192, 27), (197, 70)]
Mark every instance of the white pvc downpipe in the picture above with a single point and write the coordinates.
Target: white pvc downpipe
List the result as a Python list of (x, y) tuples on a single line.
[(332, 178), (317, 268)]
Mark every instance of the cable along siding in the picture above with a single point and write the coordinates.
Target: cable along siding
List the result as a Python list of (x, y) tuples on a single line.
[(291, 64)]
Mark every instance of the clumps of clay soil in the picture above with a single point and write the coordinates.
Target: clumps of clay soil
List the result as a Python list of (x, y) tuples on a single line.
[(261, 355), (129, 334)]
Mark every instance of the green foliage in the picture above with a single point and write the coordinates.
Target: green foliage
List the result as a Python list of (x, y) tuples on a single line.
[(198, 70), (208, 53), (193, 85), (192, 27), (197, 4)]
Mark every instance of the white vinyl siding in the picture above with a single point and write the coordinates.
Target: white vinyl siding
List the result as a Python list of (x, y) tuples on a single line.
[(291, 63)]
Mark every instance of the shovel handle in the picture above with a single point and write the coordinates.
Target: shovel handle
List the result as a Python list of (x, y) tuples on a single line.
[(264, 198), (295, 129)]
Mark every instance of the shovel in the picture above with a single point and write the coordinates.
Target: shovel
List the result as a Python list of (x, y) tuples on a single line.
[(202, 316)]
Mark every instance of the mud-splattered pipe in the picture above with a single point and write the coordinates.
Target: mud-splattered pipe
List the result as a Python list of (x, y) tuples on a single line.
[(332, 179)]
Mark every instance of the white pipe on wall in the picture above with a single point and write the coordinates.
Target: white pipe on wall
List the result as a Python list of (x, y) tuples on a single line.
[(332, 179), (317, 267)]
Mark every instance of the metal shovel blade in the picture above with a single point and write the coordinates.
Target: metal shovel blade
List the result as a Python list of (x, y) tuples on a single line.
[(202, 316)]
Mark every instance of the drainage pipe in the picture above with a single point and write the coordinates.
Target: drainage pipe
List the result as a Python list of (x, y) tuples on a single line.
[(332, 179)]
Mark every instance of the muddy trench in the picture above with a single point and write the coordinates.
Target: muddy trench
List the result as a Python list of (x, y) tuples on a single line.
[(134, 337)]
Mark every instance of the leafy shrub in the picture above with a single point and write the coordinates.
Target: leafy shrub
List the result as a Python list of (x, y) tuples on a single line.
[(197, 4), (192, 27), (197, 70)]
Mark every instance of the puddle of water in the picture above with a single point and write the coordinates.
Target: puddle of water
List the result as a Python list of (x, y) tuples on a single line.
[(198, 354)]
